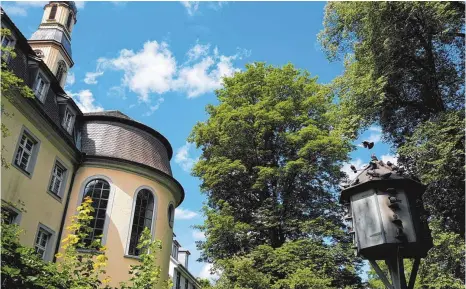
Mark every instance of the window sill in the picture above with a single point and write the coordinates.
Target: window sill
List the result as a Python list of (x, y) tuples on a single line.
[(55, 196), (132, 257), (88, 251), (26, 173)]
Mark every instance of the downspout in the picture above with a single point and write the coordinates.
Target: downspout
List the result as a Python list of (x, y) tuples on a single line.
[(68, 197)]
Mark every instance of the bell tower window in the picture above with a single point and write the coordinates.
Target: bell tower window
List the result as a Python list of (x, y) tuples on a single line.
[(53, 12), (61, 71), (68, 22)]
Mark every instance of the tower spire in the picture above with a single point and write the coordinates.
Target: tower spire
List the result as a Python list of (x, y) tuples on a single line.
[(52, 40)]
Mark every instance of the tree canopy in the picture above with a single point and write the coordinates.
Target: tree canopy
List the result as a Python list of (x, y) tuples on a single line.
[(405, 71), (270, 164)]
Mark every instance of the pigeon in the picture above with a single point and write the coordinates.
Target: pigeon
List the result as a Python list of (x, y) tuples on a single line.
[(389, 163), (367, 144), (354, 169)]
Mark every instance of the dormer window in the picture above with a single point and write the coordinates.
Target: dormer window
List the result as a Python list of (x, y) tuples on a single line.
[(68, 120), (61, 71), (53, 12), (7, 41), (41, 86)]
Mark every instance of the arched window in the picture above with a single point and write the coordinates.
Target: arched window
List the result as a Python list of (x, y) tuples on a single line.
[(142, 218), (99, 191), (171, 215), (61, 71)]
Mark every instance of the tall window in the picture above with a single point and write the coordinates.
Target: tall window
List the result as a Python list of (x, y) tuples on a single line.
[(178, 280), (57, 180), (68, 120), (171, 215), (61, 71), (53, 12), (142, 218), (186, 284), (175, 249), (24, 152), (40, 87), (42, 242), (68, 22), (99, 191)]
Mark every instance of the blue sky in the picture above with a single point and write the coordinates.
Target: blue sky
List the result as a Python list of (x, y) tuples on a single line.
[(159, 63)]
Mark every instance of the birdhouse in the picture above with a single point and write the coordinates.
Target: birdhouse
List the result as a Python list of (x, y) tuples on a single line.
[(384, 213)]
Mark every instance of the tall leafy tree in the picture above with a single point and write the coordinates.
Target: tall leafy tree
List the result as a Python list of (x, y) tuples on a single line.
[(405, 67), (270, 162)]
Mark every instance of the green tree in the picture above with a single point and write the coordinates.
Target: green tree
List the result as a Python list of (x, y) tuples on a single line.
[(405, 67), (270, 163)]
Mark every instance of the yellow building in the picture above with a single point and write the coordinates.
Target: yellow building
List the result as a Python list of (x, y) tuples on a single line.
[(58, 155)]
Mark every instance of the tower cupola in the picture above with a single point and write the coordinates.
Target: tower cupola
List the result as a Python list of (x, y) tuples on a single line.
[(52, 40)]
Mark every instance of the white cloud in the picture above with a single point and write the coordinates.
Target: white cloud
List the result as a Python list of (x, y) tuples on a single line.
[(391, 158), (198, 235), (154, 70), (85, 101), (374, 137), (80, 4), (197, 51), (91, 77), (375, 128), (347, 168), (70, 78), (20, 8), (153, 108), (183, 159), (206, 75), (150, 70), (206, 274), (184, 214), (191, 6), (117, 91)]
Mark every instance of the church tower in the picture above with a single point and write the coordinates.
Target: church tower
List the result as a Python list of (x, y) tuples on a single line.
[(52, 41)]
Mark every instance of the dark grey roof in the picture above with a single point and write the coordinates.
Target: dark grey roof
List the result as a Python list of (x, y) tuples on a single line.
[(115, 113), (53, 34), (380, 172)]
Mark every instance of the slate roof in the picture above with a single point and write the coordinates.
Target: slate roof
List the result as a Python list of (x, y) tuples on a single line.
[(54, 34), (114, 113), (381, 172)]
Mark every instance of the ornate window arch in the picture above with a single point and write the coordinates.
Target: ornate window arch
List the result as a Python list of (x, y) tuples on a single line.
[(144, 208), (61, 70), (99, 190)]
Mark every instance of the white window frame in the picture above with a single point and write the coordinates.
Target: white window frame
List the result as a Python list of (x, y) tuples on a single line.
[(54, 178), (48, 248), (33, 152), (41, 95), (154, 216), (68, 126), (12, 43)]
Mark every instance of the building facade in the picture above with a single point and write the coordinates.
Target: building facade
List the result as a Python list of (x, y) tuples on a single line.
[(57, 155), (179, 273)]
